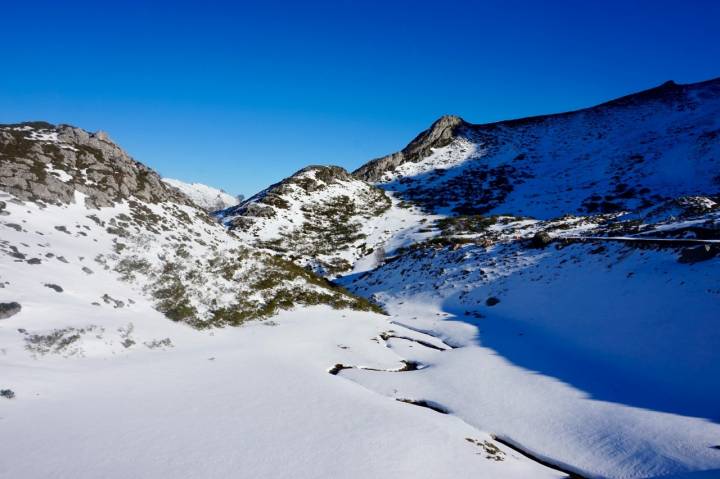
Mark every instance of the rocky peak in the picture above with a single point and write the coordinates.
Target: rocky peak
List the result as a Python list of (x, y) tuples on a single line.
[(440, 134)]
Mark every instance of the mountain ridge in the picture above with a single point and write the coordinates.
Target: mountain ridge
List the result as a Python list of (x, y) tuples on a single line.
[(371, 170)]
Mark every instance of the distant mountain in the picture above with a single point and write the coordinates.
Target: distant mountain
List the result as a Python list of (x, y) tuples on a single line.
[(206, 197)]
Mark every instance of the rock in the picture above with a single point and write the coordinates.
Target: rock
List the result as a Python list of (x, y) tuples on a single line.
[(492, 301), (697, 254), (9, 309), (102, 136), (99, 168), (540, 240), (7, 393), (440, 134)]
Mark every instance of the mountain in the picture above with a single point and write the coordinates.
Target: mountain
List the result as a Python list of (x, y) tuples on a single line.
[(325, 219), (115, 293), (529, 298), (76, 208), (584, 247), (206, 197), (570, 261), (632, 153)]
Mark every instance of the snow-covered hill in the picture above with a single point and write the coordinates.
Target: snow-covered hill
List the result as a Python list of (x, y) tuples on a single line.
[(323, 218), (77, 209), (582, 248), (576, 266), (206, 197), (630, 153)]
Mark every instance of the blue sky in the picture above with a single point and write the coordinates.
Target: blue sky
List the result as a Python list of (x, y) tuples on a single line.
[(241, 94)]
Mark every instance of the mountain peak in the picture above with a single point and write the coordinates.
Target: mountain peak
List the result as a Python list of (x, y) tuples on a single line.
[(446, 121), (440, 134)]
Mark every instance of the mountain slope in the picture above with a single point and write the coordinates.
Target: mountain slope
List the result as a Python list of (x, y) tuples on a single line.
[(69, 194), (206, 197), (630, 153), (573, 262), (551, 285), (98, 255)]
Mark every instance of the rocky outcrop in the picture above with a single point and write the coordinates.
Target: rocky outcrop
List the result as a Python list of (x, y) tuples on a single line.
[(9, 309), (47, 164), (319, 217), (540, 240), (308, 180), (440, 134)]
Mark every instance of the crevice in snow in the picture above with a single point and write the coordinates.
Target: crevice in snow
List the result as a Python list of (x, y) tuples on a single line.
[(567, 469), (425, 403)]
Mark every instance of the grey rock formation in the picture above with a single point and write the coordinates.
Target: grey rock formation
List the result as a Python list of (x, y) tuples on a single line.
[(438, 135), (46, 163), (9, 309)]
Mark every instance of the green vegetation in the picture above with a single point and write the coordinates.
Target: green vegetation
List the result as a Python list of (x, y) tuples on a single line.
[(471, 224)]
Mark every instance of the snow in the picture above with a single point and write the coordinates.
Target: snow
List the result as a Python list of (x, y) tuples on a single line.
[(596, 353), (222, 405), (62, 175), (214, 403), (567, 362), (207, 197), (125, 382), (46, 136)]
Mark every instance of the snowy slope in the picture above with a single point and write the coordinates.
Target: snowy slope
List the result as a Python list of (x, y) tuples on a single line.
[(575, 266), (599, 355), (206, 197), (113, 362), (255, 401), (122, 219), (629, 153)]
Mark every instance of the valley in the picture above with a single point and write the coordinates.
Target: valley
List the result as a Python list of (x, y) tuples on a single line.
[(538, 297)]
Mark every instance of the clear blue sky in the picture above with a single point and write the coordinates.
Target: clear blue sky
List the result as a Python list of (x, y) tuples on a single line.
[(241, 94)]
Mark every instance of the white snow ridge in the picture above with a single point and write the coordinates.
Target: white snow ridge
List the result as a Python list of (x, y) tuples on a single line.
[(525, 299)]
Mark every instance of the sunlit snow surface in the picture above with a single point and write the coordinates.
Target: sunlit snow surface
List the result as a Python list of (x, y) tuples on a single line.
[(205, 404), (126, 392)]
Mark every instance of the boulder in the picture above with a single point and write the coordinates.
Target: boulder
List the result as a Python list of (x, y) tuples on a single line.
[(540, 240), (9, 309)]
